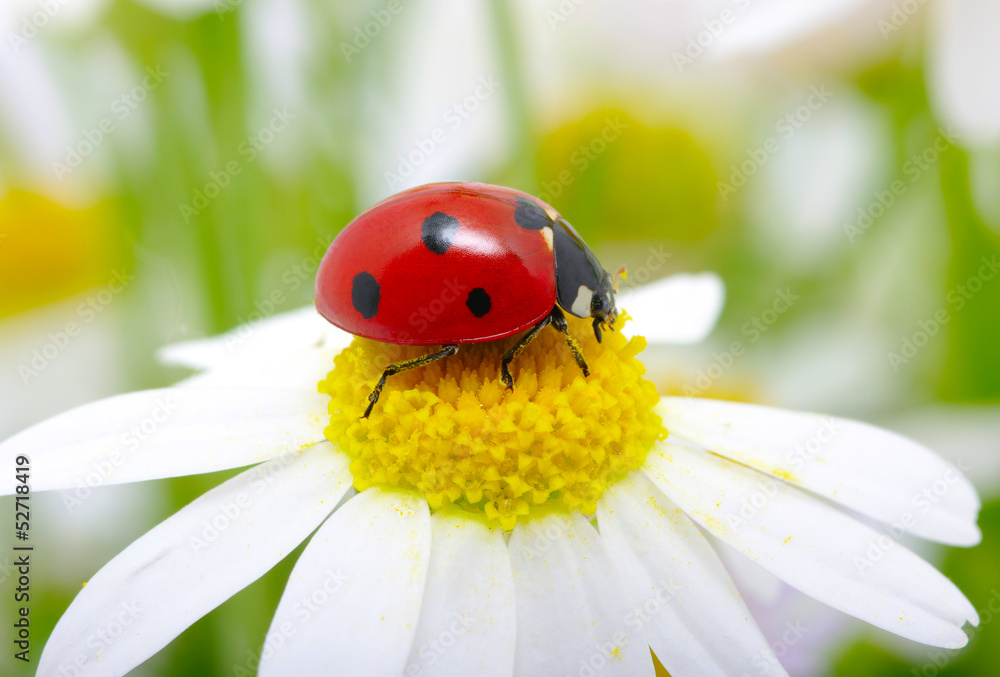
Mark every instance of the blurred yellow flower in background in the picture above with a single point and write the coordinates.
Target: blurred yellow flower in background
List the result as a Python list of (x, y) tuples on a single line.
[(629, 179), (49, 252)]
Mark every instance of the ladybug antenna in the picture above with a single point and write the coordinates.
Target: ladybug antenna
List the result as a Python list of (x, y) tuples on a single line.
[(619, 274)]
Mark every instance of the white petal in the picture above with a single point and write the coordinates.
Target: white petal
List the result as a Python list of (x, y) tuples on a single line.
[(571, 603), (352, 602), (194, 561), (873, 471), (693, 616), (814, 547), (169, 432), (677, 309), (963, 56), (300, 370), (468, 617), (261, 340)]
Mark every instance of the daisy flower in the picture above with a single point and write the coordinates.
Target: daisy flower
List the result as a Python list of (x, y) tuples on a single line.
[(559, 529)]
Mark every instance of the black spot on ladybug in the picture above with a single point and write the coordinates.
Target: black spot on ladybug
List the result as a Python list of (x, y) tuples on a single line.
[(365, 295), (530, 216), (479, 302), (438, 232)]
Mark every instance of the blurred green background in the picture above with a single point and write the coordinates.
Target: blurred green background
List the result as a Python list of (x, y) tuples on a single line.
[(169, 168)]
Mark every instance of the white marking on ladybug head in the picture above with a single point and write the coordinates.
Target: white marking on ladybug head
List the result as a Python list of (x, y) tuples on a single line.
[(553, 214), (581, 306), (547, 234)]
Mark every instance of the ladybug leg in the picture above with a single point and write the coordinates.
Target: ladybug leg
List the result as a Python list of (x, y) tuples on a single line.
[(446, 351), (597, 328), (602, 322), (559, 322), (517, 348)]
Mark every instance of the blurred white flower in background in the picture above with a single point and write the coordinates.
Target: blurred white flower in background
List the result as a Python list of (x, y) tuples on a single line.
[(804, 36), (67, 142), (443, 113), (824, 167), (963, 54), (35, 115), (963, 62)]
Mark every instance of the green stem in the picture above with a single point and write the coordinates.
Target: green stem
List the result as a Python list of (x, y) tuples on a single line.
[(522, 170)]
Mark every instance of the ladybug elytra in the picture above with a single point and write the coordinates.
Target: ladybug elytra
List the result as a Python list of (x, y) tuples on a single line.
[(452, 263)]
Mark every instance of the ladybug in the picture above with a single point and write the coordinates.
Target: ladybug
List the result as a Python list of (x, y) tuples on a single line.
[(451, 263)]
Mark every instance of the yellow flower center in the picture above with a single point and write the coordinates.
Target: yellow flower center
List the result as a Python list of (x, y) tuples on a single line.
[(450, 431)]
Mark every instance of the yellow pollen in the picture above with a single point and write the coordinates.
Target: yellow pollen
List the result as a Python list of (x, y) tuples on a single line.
[(452, 433)]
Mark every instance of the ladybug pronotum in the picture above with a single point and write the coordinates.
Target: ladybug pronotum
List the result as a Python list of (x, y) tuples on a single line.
[(452, 263)]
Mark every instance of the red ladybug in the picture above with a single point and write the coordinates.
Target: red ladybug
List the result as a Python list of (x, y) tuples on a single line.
[(452, 263)]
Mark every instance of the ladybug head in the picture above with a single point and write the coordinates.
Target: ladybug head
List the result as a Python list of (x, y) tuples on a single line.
[(583, 287), (602, 305)]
